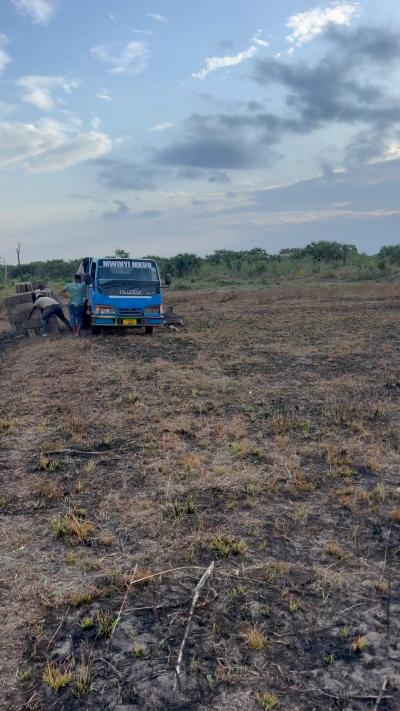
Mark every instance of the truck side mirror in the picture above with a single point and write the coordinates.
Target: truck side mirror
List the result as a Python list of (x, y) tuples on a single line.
[(87, 279), (167, 279)]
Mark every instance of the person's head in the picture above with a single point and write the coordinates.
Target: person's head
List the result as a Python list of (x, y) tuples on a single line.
[(77, 278)]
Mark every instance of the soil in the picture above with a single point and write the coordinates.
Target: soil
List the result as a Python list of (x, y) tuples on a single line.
[(263, 436)]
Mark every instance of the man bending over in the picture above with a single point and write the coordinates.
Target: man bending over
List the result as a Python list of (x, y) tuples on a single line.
[(49, 307)]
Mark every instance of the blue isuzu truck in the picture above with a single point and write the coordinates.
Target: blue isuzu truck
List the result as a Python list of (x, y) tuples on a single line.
[(123, 293)]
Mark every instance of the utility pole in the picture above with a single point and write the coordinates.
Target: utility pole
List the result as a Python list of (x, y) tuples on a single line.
[(5, 269), (19, 260)]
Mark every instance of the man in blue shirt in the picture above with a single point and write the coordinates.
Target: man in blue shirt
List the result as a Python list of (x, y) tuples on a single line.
[(76, 293)]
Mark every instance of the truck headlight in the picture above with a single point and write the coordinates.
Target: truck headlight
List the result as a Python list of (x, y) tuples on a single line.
[(153, 309)]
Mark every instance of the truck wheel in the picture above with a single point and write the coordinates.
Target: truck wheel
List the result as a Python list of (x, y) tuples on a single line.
[(95, 330), (149, 330)]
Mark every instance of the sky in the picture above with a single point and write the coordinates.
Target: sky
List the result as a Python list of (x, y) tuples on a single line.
[(163, 126)]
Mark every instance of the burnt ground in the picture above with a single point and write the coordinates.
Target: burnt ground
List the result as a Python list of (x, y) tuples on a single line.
[(263, 436)]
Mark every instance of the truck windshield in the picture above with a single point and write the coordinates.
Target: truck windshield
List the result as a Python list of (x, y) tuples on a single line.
[(127, 274), (127, 270)]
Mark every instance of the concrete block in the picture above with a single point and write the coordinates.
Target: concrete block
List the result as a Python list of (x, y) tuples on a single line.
[(23, 298), (23, 286), (27, 297), (11, 301), (20, 312)]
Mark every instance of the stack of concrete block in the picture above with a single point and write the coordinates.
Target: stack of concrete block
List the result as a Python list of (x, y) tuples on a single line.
[(18, 309), (19, 306)]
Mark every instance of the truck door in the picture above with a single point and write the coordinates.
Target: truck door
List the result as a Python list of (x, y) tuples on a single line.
[(93, 272)]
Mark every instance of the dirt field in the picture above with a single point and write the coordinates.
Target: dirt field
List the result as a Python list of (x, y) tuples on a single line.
[(265, 437)]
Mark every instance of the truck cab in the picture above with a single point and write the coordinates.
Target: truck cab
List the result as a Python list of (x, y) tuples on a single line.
[(123, 293)]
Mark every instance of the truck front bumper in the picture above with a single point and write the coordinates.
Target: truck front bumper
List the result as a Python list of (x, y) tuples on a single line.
[(120, 322)]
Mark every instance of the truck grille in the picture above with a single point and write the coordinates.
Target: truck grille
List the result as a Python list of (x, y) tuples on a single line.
[(130, 313)]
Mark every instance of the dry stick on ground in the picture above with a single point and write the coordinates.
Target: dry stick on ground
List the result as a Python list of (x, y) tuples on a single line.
[(381, 693), (196, 595), (165, 572), (388, 563), (121, 609), (75, 451)]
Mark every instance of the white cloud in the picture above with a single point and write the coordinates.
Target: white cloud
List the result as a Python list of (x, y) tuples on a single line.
[(259, 41), (156, 17), (95, 123), (84, 146), (214, 63), (5, 58), (143, 32), (104, 95), (305, 26), (37, 90), (40, 11), (392, 152), (131, 59), (48, 145), (161, 126)]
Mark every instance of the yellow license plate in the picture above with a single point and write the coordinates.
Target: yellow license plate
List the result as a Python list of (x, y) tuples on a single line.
[(129, 321)]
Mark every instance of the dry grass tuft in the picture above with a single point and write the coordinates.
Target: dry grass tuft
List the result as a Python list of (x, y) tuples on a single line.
[(106, 623), (105, 538), (70, 558), (183, 507), (225, 545), (326, 579), (87, 623), (359, 644), (24, 675), (74, 424), (269, 701), (8, 424), (83, 684), (56, 676), (86, 597), (90, 466), (334, 549), (76, 528), (50, 490), (46, 464), (395, 515), (255, 638), (191, 462), (245, 448), (277, 570)]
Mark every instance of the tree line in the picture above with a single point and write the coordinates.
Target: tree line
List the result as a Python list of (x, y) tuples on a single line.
[(317, 257)]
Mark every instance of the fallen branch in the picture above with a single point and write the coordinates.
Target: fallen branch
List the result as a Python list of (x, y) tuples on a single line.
[(381, 693), (388, 563), (74, 451), (196, 595), (165, 572)]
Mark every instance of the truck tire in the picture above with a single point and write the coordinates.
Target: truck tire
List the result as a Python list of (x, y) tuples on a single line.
[(149, 330)]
